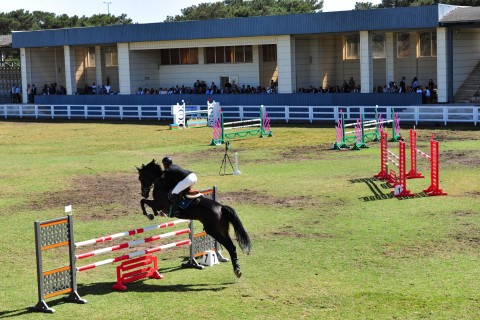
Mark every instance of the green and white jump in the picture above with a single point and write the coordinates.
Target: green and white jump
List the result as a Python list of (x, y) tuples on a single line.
[(361, 131), (256, 127)]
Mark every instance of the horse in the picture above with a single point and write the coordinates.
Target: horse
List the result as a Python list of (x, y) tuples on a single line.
[(215, 217)]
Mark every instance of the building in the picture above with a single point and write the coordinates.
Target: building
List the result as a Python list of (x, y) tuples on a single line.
[(373, 47)]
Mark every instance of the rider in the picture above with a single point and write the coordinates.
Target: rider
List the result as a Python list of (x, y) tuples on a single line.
[(182, 179)]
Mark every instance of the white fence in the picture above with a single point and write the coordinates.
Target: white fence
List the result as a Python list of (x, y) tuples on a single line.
[(444, 114)]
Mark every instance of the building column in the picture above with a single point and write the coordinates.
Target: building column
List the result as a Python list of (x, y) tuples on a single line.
[(366, 63), (389, 57), (23, 71), (124, 68), (70, 81), (287, 82), (98, 66), (444, 85)]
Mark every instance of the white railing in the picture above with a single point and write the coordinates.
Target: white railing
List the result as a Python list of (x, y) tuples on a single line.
[(415, 114)]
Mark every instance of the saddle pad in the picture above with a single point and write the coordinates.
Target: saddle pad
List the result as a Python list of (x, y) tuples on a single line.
[(184, 203)]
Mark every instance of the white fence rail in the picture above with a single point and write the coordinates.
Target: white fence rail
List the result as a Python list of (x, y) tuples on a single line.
[(416, 114)]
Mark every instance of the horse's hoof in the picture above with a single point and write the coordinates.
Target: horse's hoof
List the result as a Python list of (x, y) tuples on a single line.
[(238, 273), (151, 216)]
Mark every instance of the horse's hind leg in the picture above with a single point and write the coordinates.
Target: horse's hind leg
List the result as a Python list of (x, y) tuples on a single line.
[(227, 243)]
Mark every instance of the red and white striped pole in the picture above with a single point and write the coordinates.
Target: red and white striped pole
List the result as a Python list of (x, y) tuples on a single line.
[(131, 244), (413, 173), (133, 255), (129, 233), (434, 188)]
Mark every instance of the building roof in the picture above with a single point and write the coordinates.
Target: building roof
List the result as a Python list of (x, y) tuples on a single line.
[(404, 18), (5, 41), (462, 15)]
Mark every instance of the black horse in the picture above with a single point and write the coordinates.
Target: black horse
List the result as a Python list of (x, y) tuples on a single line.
[(215, 217)]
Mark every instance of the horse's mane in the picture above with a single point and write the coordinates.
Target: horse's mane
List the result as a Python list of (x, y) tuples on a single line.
[(154, 167)]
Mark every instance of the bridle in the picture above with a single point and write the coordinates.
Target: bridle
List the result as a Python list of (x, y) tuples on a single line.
[(146, 189)]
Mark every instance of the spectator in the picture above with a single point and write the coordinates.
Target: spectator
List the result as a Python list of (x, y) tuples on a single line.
[(403, 87), (415, 84), (34, 92), (351, 84), (227, 86)]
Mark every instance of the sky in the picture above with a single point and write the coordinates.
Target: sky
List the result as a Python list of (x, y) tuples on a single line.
[(145, 11)]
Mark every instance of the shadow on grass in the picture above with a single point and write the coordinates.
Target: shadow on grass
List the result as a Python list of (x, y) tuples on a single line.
[(13, 313), (103, 288)]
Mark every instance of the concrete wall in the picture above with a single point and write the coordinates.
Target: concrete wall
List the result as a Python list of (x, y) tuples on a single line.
[(47, 66), (466, 54), (424, 68)]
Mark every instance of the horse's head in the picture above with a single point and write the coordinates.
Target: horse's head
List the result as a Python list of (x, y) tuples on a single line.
[(148, 175)]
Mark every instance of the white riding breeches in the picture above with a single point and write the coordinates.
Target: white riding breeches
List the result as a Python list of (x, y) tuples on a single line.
[(189, 181)]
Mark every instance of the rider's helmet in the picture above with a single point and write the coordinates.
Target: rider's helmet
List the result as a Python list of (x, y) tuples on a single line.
[(167, 161)]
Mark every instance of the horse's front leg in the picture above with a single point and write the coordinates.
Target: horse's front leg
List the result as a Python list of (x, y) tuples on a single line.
[(149, 203)]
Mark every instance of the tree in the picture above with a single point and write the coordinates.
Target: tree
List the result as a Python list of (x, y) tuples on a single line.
[(364, 6), (246, 8), (21, 20)]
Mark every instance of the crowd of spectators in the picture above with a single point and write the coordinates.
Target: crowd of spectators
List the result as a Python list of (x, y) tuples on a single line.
[(429, 91), (200, 87), (97, 89)]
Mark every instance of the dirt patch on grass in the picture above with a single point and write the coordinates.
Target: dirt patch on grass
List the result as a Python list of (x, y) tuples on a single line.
[(291, 232), (470, 237), (462, 158), (100, 196), (108, 196), (263, 198), (445, 135)]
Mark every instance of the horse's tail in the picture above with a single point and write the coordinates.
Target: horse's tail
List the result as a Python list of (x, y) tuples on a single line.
[(241, 235)]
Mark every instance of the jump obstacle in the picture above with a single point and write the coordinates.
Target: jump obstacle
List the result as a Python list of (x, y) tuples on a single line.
[(135, 265), (400, 183), (361, 126), (183, 118), (256, 127), (434, 188)]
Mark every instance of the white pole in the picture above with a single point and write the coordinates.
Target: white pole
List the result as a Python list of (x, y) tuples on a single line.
[(236, 165)]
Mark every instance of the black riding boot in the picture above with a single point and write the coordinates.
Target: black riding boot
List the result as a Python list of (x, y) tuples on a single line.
[(174, 210)]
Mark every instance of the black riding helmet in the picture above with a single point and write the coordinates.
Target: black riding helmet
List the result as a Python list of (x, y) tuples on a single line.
[(167, 161)]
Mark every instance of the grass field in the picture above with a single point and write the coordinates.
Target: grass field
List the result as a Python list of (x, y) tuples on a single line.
[(323, 245)]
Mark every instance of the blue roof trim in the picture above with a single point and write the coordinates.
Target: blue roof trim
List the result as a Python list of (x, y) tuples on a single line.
[(315, 23)]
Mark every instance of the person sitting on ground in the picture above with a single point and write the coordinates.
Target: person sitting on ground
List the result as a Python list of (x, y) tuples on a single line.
[(181, 178)]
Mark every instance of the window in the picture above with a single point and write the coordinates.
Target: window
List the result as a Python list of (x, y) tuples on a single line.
[(403, 45), (179, 56), (239, 54), (219, 55), (378, 45), (185, 56), (111, 57), (174, 56), (248, 54), (228, 54), (427, 42), (352, 46), (91, 57), (269, 53), (210, 55)]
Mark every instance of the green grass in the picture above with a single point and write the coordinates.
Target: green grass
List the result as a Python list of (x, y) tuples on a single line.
[(323, 246)]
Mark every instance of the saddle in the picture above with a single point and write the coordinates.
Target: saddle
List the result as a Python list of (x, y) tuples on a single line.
[(186, 198)]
